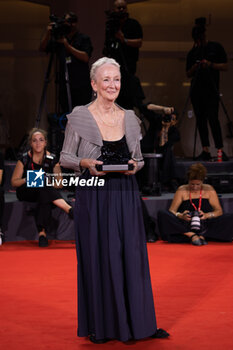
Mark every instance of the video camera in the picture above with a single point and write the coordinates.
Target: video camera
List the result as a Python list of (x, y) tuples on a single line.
[(166, 118), (60, 27)]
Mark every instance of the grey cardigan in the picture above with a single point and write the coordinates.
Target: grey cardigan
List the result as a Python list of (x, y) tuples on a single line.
[(83, 138)]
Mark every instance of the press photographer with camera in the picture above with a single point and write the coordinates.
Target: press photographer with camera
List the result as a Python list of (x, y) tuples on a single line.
[(123, 38), (73, 50), (168, 136), (129, 34), (195, 214), (160, 137), (203, 64)]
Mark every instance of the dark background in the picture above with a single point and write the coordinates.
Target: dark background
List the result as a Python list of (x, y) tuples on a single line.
[(167, 28)]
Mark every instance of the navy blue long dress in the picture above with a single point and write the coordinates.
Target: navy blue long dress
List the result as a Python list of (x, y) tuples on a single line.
[(115, 297)]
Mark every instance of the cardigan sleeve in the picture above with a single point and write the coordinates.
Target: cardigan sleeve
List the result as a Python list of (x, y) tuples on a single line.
[(68, 157), (136, 154)]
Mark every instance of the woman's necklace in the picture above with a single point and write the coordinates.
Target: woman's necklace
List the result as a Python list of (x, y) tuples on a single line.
[(115, 119), (36, 160)]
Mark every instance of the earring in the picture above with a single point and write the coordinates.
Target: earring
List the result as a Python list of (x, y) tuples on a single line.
[(95, 94)]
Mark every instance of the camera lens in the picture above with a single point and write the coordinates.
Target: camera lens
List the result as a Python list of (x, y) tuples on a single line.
[(195, 221)]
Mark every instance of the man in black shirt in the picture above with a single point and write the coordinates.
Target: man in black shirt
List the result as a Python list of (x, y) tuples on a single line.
[(124, 48), (75, 50), (130, 35), (204, 62)]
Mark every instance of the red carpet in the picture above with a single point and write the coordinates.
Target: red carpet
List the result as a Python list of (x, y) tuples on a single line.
[(193, 290)]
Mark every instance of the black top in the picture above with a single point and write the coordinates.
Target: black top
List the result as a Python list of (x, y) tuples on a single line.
[(131, 30), (47, 165), (186, 205), (78, 70), (115, 152), (205, 78)]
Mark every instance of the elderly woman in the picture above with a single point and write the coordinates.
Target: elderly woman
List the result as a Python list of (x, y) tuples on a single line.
[(36, 158), (115, 298), (195, 213)]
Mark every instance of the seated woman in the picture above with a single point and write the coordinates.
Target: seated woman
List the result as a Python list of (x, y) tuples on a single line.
[(179, 225), (35, 159)]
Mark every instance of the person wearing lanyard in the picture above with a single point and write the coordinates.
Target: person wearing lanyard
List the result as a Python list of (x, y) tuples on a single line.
[(195, 214)]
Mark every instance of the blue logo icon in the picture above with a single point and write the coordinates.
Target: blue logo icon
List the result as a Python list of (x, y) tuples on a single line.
[(35, 178)]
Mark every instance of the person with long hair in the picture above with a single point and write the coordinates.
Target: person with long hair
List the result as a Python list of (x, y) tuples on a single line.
[(38, 157), (115, 299)]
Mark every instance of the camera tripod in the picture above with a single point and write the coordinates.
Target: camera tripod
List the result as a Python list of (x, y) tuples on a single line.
[(47, 80), (229, 122), (6, 142), (24, 142)]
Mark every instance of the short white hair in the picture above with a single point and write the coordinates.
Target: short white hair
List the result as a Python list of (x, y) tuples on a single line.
[(99, 63)]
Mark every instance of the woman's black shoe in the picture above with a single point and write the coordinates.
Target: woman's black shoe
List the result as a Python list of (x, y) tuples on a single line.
[(2, 237), (224, 157), (152, 239), (98, 341), (196, 241), (205, 156), (43, 241), (203, 241), (160, 333)]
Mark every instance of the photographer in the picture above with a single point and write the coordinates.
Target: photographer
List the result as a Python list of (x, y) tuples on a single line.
[(160, 137), (179, 225), (204, 62), (73, 50), (129, 34), (122, 42)]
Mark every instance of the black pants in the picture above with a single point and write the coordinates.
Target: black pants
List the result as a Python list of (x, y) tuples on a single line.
[(206, 110), (167, 164), (172, 229), (44, 197)]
